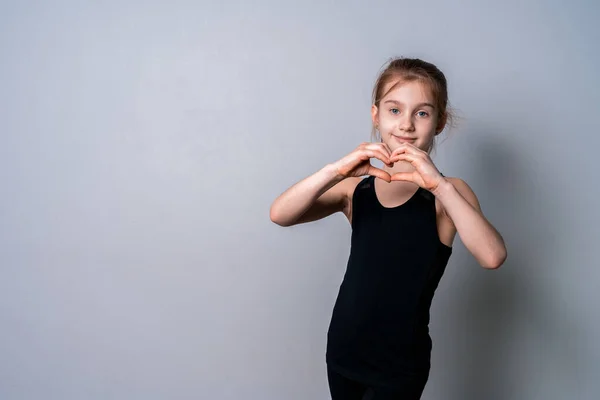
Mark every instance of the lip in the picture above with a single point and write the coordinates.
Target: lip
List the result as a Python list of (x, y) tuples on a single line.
[(404, 138)]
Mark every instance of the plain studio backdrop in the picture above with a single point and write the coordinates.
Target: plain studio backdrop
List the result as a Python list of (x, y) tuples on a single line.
[(143, 142)]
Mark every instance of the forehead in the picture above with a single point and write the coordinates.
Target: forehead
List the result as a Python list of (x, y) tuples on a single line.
[(409, 91)]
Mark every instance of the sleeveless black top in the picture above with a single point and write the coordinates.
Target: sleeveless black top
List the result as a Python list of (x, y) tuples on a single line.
[(379, 330)]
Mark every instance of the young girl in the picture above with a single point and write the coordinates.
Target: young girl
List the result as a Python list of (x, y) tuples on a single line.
[(404, 218)]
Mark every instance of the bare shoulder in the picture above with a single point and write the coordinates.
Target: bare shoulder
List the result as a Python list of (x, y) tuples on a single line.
[(446, 228), (465, 191)]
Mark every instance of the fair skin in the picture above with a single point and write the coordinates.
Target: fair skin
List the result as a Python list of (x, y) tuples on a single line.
[(408, 121)]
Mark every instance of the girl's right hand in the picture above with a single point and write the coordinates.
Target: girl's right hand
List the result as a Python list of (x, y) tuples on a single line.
[(358, 163)]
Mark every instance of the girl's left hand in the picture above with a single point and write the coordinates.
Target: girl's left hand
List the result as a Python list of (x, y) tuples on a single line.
[(426, 175)]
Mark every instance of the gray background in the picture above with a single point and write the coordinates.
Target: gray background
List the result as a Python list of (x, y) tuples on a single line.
[(142, 144)]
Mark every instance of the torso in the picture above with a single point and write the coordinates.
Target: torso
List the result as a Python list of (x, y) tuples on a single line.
[(400, 247), (399, 193)]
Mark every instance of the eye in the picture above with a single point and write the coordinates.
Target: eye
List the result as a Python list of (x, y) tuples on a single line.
[(394, 111), (423, 114)]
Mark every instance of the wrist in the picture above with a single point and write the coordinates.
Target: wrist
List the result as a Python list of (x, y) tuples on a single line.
[(443, 189), (332, 173)]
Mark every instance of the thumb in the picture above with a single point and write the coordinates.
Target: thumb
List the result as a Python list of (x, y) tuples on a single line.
[(403, 176), (379, 173)]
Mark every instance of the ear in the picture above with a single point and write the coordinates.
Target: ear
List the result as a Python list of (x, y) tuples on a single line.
[(375, 115), (441, 124)]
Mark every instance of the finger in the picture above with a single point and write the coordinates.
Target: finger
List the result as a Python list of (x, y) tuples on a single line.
[(389, 152), (380, 147), (386, 160), (404, 157), (380, 155), (404, 148), (387, 148), (383, 151), (403, 176), (399, 150), (407, 148), (379, 173)]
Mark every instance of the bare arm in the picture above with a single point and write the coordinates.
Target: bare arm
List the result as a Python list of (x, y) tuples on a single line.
[(476, 232), (327, 190), (460, 205), (315, 197)]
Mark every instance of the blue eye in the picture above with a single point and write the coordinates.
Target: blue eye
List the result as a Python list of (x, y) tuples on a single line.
[(423, 114), (394, 111)]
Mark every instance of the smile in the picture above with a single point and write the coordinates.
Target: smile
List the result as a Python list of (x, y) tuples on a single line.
[(404, 138)]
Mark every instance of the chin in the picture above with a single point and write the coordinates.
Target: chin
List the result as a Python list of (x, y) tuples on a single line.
[(395, 142)]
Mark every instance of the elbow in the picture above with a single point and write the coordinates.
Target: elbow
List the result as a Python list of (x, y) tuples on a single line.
[(495, 261), (276, 218)]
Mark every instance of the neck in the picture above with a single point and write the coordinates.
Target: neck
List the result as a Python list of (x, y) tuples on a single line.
[(400, 166)]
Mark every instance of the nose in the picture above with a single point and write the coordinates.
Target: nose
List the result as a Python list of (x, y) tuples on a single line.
[(406, 123)]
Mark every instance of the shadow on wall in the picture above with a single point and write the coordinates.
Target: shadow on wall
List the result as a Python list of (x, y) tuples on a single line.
[(514, 337)]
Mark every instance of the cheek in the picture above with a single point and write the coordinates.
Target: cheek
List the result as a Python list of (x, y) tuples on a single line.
[(385, 125), (426, 124)]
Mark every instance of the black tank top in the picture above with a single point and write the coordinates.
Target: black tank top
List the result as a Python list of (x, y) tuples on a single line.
[(379, 330)]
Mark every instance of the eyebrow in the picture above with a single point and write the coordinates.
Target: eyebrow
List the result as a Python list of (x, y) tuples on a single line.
[(417, 106)]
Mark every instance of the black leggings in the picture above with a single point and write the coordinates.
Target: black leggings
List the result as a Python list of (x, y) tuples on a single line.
[(342, 388)]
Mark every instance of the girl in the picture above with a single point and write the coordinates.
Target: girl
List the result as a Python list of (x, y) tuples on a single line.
[(404, 218)]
